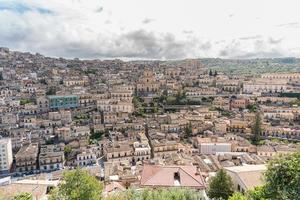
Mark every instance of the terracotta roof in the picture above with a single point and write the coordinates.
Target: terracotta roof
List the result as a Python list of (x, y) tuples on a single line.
[(163, 176)]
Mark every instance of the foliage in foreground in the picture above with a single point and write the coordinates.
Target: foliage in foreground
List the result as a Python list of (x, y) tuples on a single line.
[(221, 186), (283, 177), (282, 181), (238, 196), (77, 184), (23, 196), (157, 194)]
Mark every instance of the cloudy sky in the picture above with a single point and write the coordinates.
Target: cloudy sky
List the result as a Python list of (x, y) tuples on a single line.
[(152, 29)]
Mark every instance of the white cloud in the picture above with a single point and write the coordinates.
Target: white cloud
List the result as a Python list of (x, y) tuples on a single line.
[(156, 29)]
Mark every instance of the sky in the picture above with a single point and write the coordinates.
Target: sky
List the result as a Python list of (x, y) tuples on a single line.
[(152, 29)]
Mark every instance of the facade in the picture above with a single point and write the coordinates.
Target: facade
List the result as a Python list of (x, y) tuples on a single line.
[(120, 152), (147, 83), (109, 105), (239, 103), (164, 148), (51, 157), (142, 150), (6, 156), (199, 92), (85, 158), (288, 76), (246, 177), (280, 132), (63, 134), (26, 158), (265, 87), (43, 104), (66, 101), (210, 146)]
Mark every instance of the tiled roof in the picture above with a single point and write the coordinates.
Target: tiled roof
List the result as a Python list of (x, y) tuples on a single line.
[(163, 176)]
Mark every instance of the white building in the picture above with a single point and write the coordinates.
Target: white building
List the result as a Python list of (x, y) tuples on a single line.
[(6, 157), (142, 150), (86, 157), (246, 177), (109, 105), (211, 145)]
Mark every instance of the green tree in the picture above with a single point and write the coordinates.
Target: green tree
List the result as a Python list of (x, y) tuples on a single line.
[(238, 196), (51, 91), (220, 186), (258, 193), (283, 177), (23, 196), (251, 107), (77, 184), (67, 151), (216, 73), (256, 129), (97, 135), (210, 73), (188, 130), (157, 194)]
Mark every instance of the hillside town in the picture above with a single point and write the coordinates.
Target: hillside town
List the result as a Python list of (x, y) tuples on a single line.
[(140, 124)]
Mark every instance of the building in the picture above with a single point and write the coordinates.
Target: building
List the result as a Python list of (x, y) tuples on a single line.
[(110, 105), (288, 76), (211, 145), (142, 150), (51, 157), (147, 83), (164, 147), (6, 156), (86, 157), (66, 101), (199, 92), (246, 177), (239, 103), (122, 151), (26, 158), (43, 104), (63, 134), (265, 87), (155, 176)]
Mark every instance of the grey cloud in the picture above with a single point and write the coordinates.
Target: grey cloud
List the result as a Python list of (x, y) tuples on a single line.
[(99, 10), (22, 32), (206, 46), (233, 48), (134, 44), (107, 22), (219, 41), (147, 20), (187, 32), (274, 41), (273, 53), (143, 44), (223, 53), (290, 25), (260, 49), (251, 37)]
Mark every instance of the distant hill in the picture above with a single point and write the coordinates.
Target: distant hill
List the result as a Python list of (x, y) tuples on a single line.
[(232, 66)]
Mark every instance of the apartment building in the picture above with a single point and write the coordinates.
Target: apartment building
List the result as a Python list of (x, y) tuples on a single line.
[(6, 156)]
